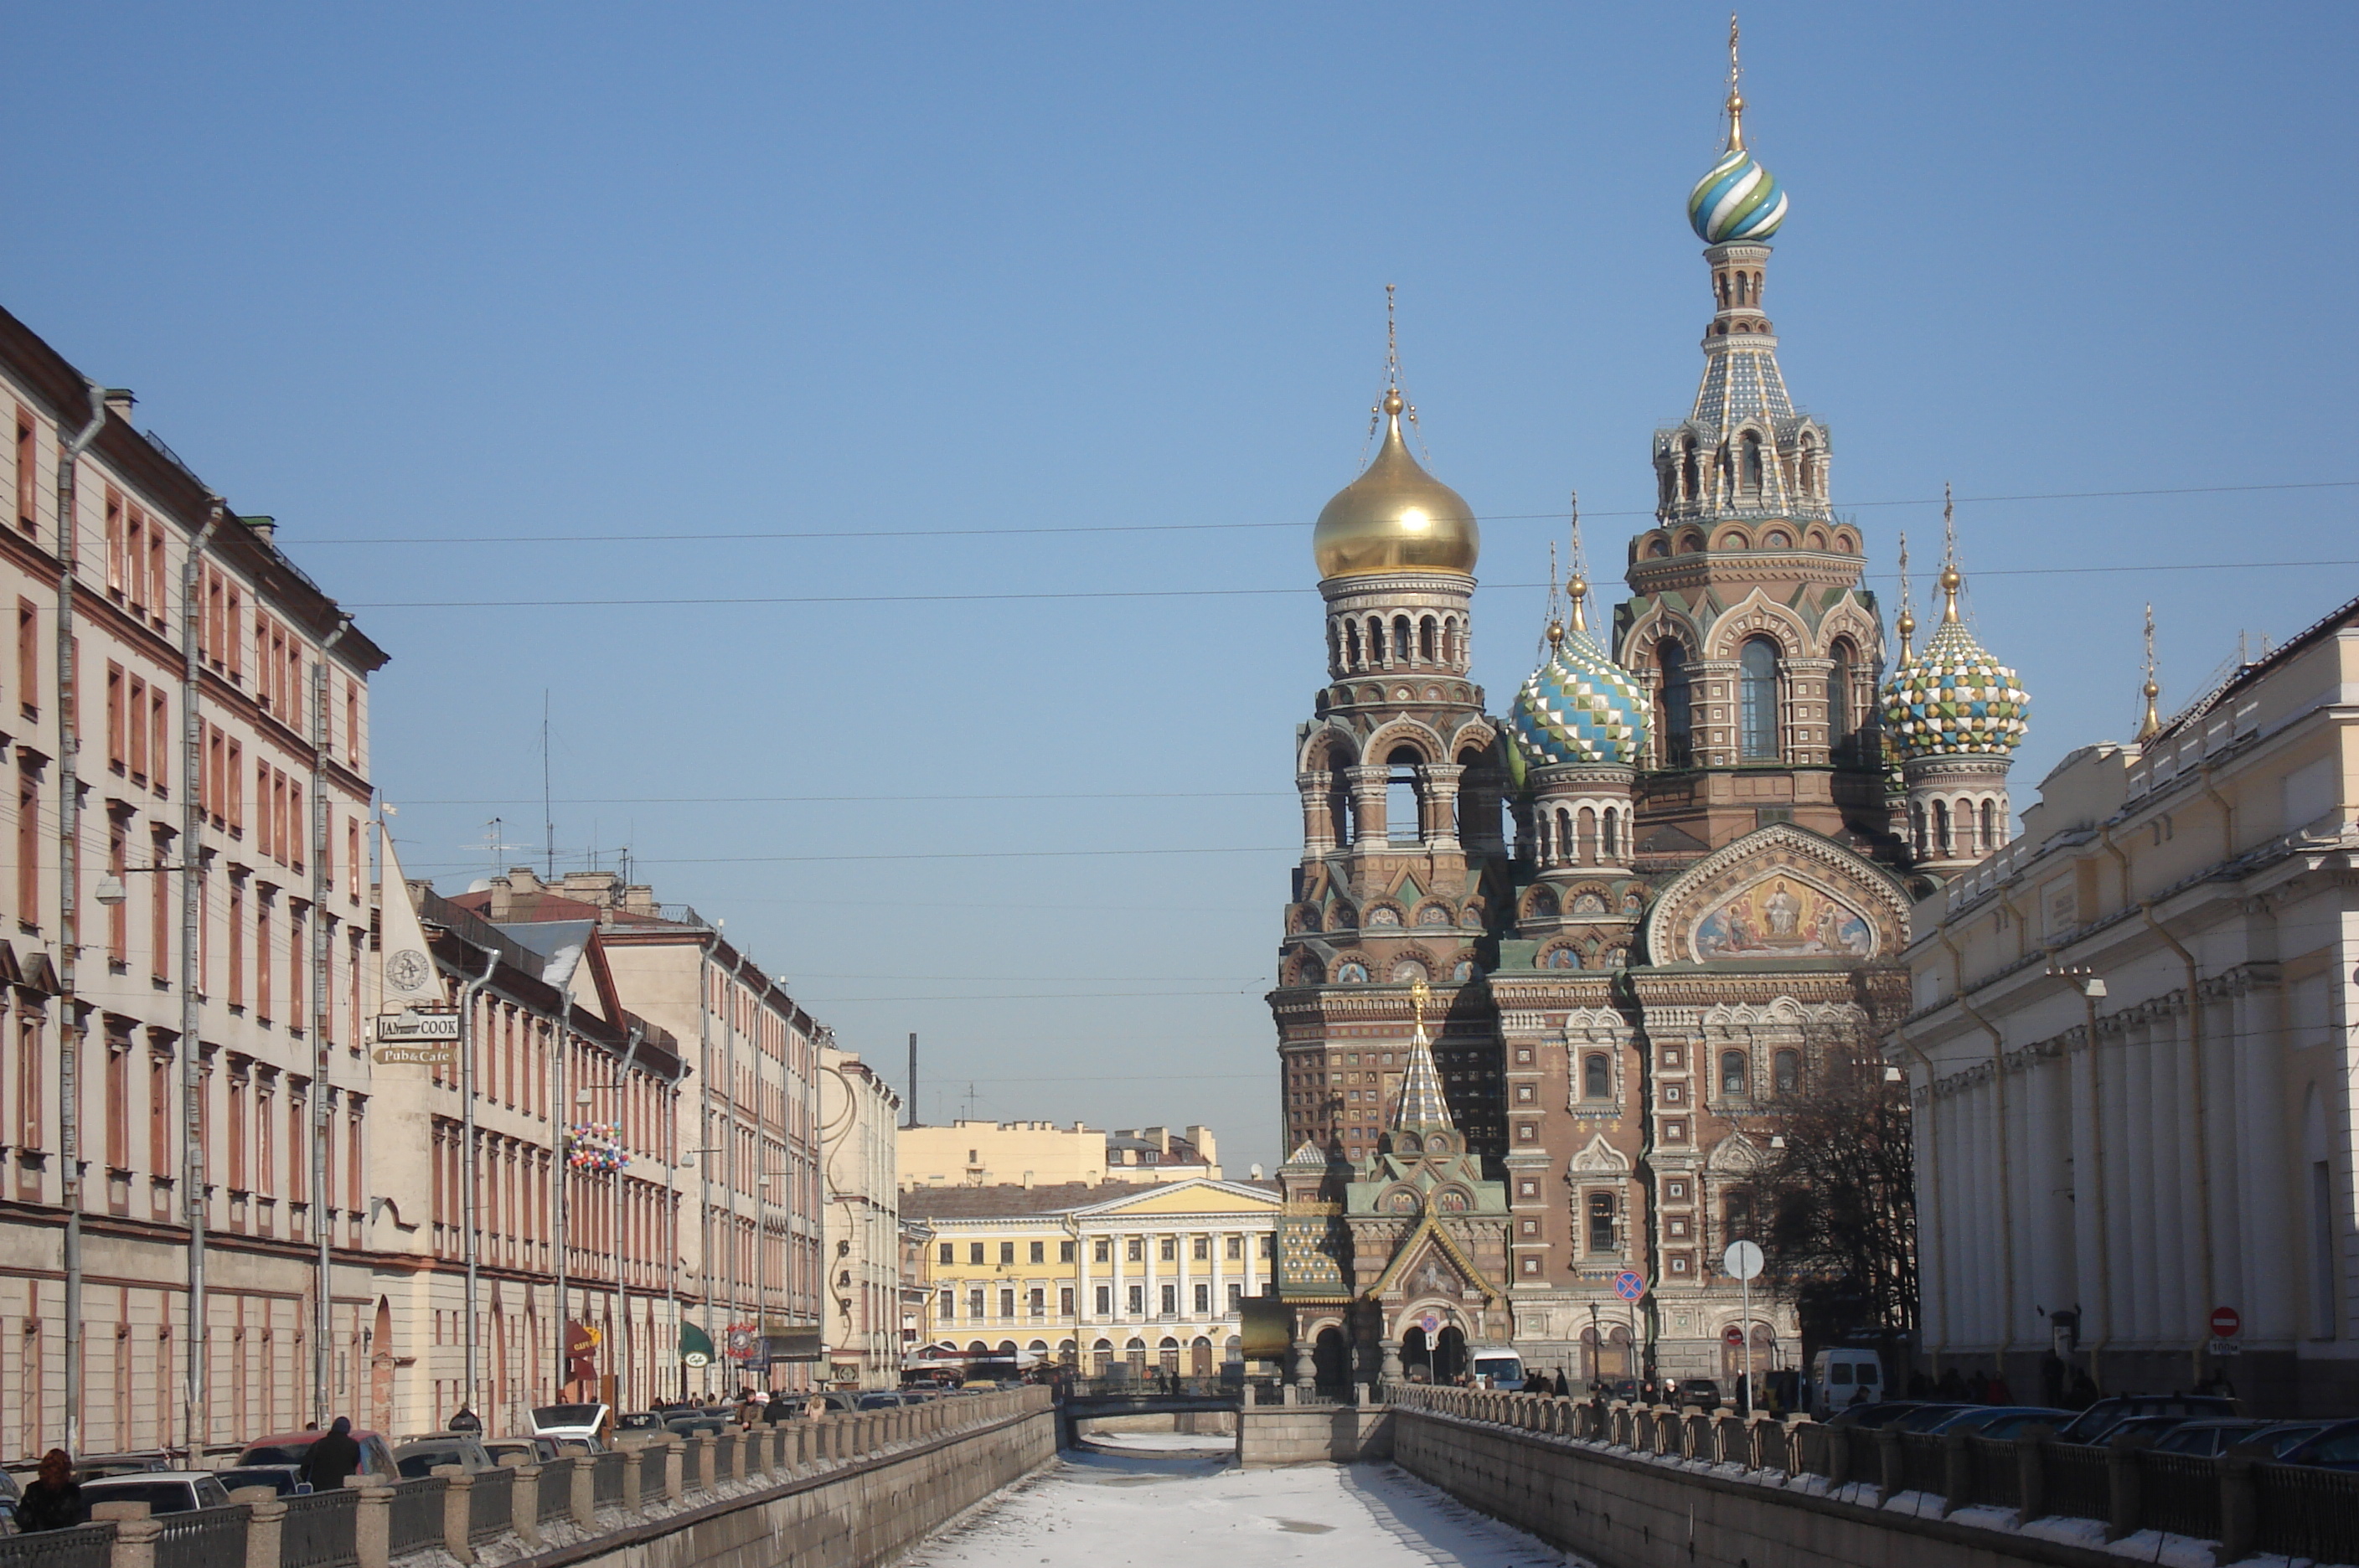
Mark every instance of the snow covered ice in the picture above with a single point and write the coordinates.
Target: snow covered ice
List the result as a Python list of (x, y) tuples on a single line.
[(1105, 1510)]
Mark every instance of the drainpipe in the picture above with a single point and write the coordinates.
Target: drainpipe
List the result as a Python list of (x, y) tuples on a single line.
[(69, 910), (1925, 1183), (2006, 1163), (2092, 986), (621, 1264), (2202, 1119), (704, 1131), (2227, 812), (561, 1200), (197, 1419), (467, 994), (323, 1221)]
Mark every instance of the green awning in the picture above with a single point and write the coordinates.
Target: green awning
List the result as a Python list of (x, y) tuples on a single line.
[(695, 1345)]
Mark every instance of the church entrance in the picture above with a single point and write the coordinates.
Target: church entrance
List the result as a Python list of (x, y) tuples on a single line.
[(1443, 1357), (1608, 1361), (1331, 1359)]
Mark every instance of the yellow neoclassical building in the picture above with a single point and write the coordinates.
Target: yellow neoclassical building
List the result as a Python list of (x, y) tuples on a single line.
[(1151, 1276)]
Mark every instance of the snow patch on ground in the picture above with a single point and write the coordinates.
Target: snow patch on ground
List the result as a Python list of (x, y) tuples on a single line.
[(1106, 1510)]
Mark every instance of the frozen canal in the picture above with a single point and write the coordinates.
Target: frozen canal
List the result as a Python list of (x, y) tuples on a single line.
[(1105, 1510)]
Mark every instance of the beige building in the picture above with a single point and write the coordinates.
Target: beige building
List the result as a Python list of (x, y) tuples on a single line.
[(861, 1320), (1145, 1275), (1043, 1154), (2131, 1053), (187, 726)]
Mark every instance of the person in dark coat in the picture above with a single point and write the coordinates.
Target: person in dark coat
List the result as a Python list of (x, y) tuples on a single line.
[(53, 1499), (466, 1420), (1563, 1388), (332, 1458)]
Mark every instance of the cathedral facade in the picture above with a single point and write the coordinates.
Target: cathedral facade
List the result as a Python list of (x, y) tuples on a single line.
[(1650, 905)]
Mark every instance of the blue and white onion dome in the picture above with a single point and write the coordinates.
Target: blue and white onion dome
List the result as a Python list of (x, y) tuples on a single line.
[(1953, 699), (1579, 706), (1737, 199)]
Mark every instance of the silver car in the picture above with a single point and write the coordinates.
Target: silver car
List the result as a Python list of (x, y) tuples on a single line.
[(164, 1491)]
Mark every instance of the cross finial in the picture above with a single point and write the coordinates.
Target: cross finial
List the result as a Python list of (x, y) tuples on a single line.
[(1907, 622), (1392, 343), (1735, 97), (1555, 609), (1419, 992), (1576, 585), (1951, 578), (2152, 721)]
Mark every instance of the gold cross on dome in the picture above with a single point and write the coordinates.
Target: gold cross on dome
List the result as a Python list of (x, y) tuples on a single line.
[(1418, 991)]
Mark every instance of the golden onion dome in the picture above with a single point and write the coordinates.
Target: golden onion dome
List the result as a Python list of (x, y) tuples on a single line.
[(1395, 516)]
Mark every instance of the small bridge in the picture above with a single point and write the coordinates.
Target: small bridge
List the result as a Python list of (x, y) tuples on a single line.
[(1093, 1398)]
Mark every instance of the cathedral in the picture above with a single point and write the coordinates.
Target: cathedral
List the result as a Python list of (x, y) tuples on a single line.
[(1547, 980)]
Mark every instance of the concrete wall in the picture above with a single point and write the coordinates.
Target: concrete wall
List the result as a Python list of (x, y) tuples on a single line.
[(1630, 1512), (1201, 1423), (854, 1514), (1313, 1434)]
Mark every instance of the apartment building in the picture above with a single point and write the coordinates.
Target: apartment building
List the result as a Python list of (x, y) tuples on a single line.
[(747, 1137), (862, 1318), (1149, 1277), (185, 715), (985, 1154)]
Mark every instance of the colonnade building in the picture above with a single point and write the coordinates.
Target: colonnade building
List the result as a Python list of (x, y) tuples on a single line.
[(1655, 903)]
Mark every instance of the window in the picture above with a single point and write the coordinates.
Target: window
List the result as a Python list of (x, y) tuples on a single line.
[(1101, 1252), (973, 1253), (1736, 1216), (1203, 1300), (1758, 684), (1008, 1302), (1401, 825), (1137, 1301), (1170, 1299), (1269, 1245), (1839, 725), (1732, 1074), (1105, 1301), (1064, 1252), (1135, 1250), (949, 1252), (1201, 1249), (974, 1305), (1170, 1250), (947, 1308), (1601, 1221), (29, 469), (29, 658), (1676, 706), (1235, 1249), (1065, 1302), (1597, 1078), (1039, 1252), (1789, 1072)]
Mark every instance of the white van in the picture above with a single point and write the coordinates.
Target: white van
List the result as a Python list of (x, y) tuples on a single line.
[(1495, 1365), (1838, 1376)]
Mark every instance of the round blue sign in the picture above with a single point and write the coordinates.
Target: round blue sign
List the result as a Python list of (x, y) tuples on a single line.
[(1629, 1286)]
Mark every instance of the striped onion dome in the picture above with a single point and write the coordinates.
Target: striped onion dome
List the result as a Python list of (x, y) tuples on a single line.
[(1955, 700), (1578, 706), (1736, 200)]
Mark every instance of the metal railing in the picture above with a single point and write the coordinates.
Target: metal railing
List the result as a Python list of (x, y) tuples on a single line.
[(606, 1477), (2306, 1512), (317, 1529), (203, 1537), (491, 1506), (82, 1546), (415, 1518), (557, 1488)]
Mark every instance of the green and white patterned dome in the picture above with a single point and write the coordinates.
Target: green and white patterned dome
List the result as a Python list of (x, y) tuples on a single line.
[(1953, 699), (1579, 706)]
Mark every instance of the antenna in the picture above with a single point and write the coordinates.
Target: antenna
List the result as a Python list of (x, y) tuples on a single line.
[(913, 1078), (548, 818)]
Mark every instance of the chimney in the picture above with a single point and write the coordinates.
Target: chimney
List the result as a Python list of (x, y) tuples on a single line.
[(119, 400), (264, 528)]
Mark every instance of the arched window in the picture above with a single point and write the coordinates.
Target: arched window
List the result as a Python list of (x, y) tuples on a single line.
[(1588, 830), (1788, 1072), (1402, 823), (1677, 708), (1990, 826), (1610, 845), (1942, 841), (1690, 482), (1752, 456), (1839, 727), (1809, 466), (1375, 640), (1597, 1078), (1916, 827), (1731, 1074), (1401, 639), (1566, 845), (1334, 646), (1601, 1223), (1758, 677), (1425, 639), (1736, 1216)]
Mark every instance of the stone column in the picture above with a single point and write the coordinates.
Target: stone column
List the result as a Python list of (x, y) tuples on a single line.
[(632, 1458), (524, 1503), (458, 1509), (584, 1499), (675, 1482), (1441, 806), (737, 1455), (707, 1459), (265, 1524), (372, 1524), (1392, 1362), (134, 1534), (1306, 1365), (1369, 830), (1318, 821)]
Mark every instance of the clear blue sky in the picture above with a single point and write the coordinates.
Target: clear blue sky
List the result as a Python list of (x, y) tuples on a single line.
[(462, 274)]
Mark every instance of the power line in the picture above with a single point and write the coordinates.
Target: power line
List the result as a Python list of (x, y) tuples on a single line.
[(904, 800), (758, 535), (945, 855), (1022, 997)]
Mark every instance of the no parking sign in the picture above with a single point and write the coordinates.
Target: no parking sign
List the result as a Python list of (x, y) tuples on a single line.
[(1629, 1285)]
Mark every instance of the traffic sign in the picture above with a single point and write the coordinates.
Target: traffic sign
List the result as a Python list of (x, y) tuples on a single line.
[(1629, 1286), (2226, 1323), (1732, 1334), (2224, 1347), (1741, 1260)]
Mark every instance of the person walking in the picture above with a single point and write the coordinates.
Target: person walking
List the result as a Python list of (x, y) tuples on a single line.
[(53, 1499), (333, 1458)]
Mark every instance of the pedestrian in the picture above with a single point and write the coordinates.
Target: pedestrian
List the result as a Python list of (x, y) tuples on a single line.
[(1951, 1388), (1563, 1388), (1978, 1387), (2000, 1394), (1858, 1396), (466, 1420), (331, 1458), (53, 1499)]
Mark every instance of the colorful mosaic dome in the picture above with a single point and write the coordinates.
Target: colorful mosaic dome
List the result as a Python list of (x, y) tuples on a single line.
[(1955, 700), (1579, 706), (1736, 200)]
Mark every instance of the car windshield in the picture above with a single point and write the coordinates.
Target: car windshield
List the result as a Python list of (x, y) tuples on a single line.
[(2283, 1440), (161, 1497), (274, 1454), (565, 1415)]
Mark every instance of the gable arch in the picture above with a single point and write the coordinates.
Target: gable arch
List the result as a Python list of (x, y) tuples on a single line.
[(1328, 748), (1411, 733), (1816, 871), (1757, 614)]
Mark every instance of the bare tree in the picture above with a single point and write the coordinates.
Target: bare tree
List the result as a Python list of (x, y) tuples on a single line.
[(1837, 1202)]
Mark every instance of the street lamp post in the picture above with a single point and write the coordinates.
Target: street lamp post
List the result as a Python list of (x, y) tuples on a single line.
[(671, 1285), (762, 1267)]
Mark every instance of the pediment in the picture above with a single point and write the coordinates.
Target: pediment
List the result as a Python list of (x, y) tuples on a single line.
[(1780, 892), (1601, 1158)]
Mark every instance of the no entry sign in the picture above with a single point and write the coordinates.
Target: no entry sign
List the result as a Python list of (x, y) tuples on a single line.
[(1629, 1286), (2226, 1323)]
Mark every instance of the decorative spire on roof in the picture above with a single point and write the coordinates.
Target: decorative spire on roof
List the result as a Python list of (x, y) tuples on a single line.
[(1578, 706), (1951, 579), (1907, 625), (1954, 698), (1736, 200), (1422, 1105), (1395, 516), (2152, 721)]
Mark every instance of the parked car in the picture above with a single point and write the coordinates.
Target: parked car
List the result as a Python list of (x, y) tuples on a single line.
[(639, 1420), (528, 1450), (1999, 1421), (421, 1455), (1928, 1418), (164, 1491), (1873, 1417), (2095, 1423), (573, 1423), (290, 1448), (2147, 1429), (1698, 1391), (2210, 1438), (2336, 1448), (880, 1400), (283, 1479), (689, 1422)]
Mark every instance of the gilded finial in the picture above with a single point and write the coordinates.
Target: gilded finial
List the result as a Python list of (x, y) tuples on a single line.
[(1576, 586), (1735, 98), (1951, 579), (1554, 608), (1419, 992), (1392, 350), (2152, 721), (1907, 622)]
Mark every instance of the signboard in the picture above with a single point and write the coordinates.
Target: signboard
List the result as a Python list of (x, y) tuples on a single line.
[(2224, 1347), (2227, 1322), (1629, 1286), (415, 1038), (1732, 1334), (1741, 1260), (1266, 1326)]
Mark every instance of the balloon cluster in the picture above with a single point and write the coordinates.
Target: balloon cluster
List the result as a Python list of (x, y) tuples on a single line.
[(595, 1146)]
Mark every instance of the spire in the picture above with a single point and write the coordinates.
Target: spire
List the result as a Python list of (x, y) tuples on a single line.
[(1735, 97), (1907, 625), (1555, 633), (2152, 721), (1951, 580), (1422, 1102), (1576, 586)]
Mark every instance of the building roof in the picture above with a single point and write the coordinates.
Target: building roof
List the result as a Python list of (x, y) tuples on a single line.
[(1010, 1201), (2244, 675)]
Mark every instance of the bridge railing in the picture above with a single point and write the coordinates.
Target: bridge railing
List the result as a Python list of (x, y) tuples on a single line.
[(2246, 1504), (1148, 1386)]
